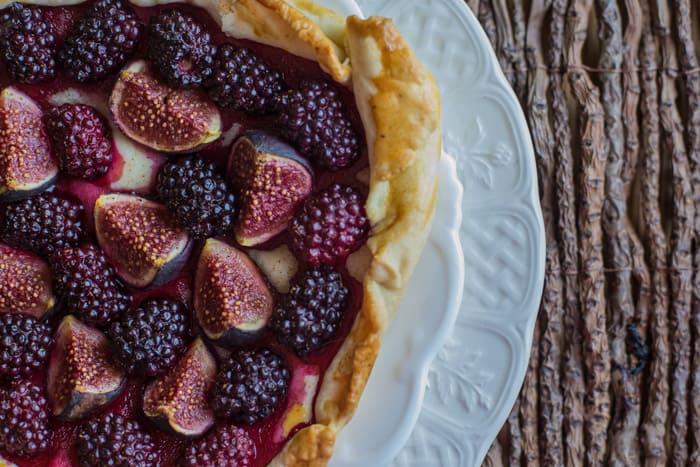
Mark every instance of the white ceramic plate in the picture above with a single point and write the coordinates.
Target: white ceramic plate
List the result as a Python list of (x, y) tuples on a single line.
[(473, 383)]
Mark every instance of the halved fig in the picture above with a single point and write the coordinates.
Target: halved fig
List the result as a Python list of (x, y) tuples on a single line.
[(160, 117), (179, 401), (25, 283), (27, 165), (272, 180), (81, 376), (232, 302), (145, 243)]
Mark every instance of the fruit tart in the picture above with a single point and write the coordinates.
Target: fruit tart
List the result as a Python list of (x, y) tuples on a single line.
[(209, 212)]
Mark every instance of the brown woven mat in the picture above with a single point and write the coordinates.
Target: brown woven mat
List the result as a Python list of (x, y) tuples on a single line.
[(611, 89)]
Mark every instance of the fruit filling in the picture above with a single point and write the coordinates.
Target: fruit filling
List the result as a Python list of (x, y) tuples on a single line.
[(178, 210)]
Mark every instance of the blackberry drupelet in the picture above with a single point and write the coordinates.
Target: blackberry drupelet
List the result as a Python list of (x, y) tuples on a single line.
[(243, 81), (312, 311), (100, 42), (87, 285), (42, 224), (111, 440), (150, 338), (226, 445), (314, 118), (331, 225), (180, 48), (81, 140), (197, 196), (27, 44), (24, 345), (24, 419), (250, 385)]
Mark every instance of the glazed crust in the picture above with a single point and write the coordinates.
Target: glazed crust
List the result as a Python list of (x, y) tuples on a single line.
[(400, 108)]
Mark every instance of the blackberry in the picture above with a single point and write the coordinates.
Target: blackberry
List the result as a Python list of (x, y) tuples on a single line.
[(111, 440), (87, 285), (227, 445), (149, 339), (42, 224), (24, 420), (197, 195), (243, 81), (100, 42), (24, 345), (180, 48), (250, 385), (331, 225), (314, 118), (312, 311), (81, 140), (27, 44)]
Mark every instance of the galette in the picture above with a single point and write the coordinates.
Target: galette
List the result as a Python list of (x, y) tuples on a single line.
[(209, 212)]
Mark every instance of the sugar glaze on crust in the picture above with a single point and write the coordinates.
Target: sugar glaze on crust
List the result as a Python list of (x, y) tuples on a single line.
[(399, 105)]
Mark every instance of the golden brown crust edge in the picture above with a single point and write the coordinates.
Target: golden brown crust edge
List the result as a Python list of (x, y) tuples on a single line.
[(399, 104)]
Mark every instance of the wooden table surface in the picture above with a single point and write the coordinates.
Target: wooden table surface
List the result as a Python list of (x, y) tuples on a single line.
[(611, 89)]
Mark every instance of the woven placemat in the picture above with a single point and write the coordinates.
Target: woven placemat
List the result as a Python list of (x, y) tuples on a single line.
[(611, 90)]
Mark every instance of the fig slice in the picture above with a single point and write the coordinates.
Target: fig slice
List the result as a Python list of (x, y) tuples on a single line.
[(27, 165), (143, 240), (272, 180), (179, 402), (232, 302), (81, 376), (25, 283), (163, 118)]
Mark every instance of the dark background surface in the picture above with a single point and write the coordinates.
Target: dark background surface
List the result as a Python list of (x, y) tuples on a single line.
[(611, 90)]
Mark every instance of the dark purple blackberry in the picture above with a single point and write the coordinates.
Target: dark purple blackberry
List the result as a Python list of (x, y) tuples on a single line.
[(81, 140), (314, 118), (150, 338), (112, 440), (227, 445), (24, 420), (87, 285), (331, 225), (101, 41), (243, 81), (312, 311), (181, 49), (197, 196), (24, 345), (250, 385), (42, 224), (27, 44)]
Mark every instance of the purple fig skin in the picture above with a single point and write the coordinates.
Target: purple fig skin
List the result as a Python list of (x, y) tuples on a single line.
[(269, 173), (270, 144), (161, 396), (105, 380), (27, 165), (221, 266), (191, 119), (146, 245), (19, 195)]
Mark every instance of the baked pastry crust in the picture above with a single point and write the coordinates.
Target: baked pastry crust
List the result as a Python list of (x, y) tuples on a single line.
[(399, 105)]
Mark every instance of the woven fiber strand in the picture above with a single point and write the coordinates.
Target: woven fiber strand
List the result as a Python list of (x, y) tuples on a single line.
[(611, 91)]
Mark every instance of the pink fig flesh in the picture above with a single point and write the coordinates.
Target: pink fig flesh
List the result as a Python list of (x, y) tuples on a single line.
[(81, 376), (25, 283), (272, 180), (27, 166), (232, 301), (143, 240), (160, 117), (179, 401)]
